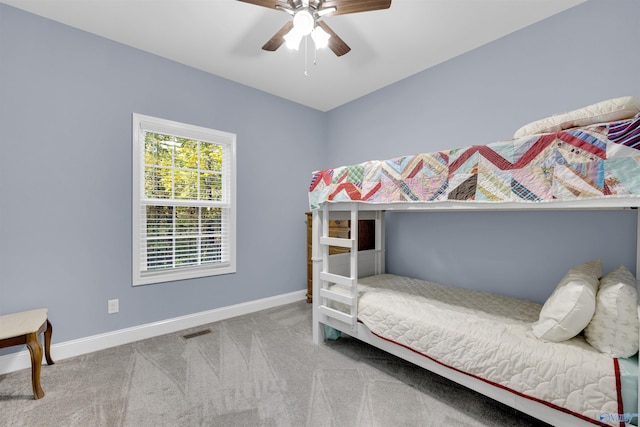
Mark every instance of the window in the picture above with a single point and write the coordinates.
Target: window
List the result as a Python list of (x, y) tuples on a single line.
[(183, 201)]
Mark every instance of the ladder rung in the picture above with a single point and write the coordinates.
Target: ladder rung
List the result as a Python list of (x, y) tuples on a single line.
[(334, 278), (336, 241), (338, 315), (338, 297)]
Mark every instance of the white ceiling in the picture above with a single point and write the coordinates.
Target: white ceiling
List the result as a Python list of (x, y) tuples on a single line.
[(224, 37)]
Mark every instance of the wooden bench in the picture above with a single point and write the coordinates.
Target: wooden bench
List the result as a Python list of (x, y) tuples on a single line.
[(24, 328)]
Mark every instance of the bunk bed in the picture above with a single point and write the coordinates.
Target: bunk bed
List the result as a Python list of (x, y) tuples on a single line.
[(533, 357)]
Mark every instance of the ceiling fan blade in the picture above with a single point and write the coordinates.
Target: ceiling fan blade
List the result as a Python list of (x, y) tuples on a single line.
[(336, 44), (278, 38), (271, 4), (354, 6)]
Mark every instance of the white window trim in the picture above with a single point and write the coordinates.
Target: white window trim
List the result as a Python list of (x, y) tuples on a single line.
[(140, 122)]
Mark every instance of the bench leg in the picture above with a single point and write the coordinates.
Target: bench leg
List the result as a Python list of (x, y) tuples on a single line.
[(35, 349), (47, 343)]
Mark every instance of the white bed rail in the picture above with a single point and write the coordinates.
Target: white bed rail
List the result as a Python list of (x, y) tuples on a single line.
[(335, 277)]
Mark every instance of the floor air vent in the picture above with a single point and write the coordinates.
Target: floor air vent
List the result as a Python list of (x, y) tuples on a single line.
[(196, 334)]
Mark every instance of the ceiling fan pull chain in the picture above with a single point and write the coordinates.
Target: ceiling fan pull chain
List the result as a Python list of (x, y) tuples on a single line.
[(315, 56), (306, 73)]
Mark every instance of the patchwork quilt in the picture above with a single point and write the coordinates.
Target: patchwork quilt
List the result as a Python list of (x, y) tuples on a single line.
[(595, 161), (489, 337)]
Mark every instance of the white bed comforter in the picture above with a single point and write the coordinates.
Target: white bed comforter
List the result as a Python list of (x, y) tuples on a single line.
[(488, 336)]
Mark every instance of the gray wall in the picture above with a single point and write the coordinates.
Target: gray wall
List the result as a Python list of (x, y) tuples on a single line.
[(581, 56), (66, 99)]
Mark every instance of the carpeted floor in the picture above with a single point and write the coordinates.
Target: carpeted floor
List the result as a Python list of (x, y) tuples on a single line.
[(259, 369)]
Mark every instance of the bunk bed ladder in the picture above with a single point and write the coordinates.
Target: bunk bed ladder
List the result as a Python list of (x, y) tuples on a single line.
[(337, 290)]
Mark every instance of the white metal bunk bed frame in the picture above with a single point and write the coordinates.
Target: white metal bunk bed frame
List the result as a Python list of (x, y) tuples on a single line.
[(344, 269)]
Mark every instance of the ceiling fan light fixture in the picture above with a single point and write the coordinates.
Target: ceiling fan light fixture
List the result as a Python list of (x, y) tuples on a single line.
[(293, 39), (303, 22), (320, 37)]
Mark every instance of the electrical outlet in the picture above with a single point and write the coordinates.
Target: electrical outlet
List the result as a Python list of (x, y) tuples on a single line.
[(113, 306)]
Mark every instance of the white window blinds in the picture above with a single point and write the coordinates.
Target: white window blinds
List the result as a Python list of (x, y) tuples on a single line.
[(184, 201)]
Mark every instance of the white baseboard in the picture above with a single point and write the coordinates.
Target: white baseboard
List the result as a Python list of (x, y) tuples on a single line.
[(22, 360)]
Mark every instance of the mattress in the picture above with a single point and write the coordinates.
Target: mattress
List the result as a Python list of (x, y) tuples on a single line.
[(488, 337), (590, 162)]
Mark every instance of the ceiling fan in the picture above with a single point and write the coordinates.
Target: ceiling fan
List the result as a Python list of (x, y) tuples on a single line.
[(307, 20)]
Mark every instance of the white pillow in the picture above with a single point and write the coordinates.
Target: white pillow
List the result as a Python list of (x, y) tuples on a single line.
[(614, 327), (571, 305), (605, 111)]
